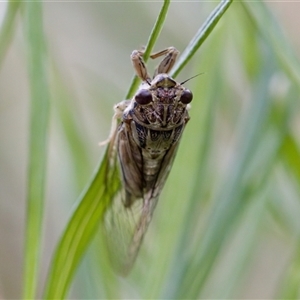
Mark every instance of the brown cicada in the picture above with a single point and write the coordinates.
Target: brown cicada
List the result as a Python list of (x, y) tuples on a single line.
[(145, 140)]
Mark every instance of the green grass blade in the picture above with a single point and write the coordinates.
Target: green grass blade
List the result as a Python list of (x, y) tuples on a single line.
[(273, 34), (291, 156), (289, 285), (37, 144), (7, 28), (195, 270), (200, 36), (81, 228), (150, 44)]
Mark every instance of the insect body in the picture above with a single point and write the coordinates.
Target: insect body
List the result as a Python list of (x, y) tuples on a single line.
[(146, 141)]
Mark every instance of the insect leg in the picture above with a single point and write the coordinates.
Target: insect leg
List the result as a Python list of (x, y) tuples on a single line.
[(168, 62), (139, 65), (119, 109)]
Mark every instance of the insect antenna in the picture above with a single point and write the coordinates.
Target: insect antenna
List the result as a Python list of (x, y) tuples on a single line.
[(183, 82)]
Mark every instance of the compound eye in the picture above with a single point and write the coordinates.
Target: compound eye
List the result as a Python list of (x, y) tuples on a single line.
[(143, 97), (186, 97)]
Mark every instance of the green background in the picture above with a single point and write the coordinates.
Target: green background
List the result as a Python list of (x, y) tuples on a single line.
[(227, 224)]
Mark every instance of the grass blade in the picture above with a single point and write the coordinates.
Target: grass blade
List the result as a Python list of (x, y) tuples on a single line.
[(289, 285), (200, 36), (195, 270), (8, 28), (80, 229), (272, 33), (37, 144)]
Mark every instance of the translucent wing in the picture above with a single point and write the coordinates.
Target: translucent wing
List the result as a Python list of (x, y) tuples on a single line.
[(125, 225)]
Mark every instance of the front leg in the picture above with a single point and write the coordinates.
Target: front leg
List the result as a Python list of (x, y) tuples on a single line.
[(168, 62), (120, 107), (119, 110), (139, 65), (165, 65)]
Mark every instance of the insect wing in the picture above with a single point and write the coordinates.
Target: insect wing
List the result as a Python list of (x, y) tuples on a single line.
[(125, 226), (149, 203), (120, 223)]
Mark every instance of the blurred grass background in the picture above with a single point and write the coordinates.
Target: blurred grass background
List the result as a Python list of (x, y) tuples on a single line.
[(227, 223)]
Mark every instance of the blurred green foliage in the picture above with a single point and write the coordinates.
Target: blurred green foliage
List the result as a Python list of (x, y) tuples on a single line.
[(227, 223)]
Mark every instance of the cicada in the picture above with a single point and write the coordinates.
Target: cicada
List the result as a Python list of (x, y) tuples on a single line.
[(144, 144)]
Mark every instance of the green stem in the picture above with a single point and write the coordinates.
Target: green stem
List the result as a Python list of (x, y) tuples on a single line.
[(201, 35)]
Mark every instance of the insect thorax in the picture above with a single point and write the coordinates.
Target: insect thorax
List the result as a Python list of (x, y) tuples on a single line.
[(158, 124)]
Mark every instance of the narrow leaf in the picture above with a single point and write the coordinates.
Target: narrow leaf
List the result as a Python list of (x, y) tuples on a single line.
[(37, 145)]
